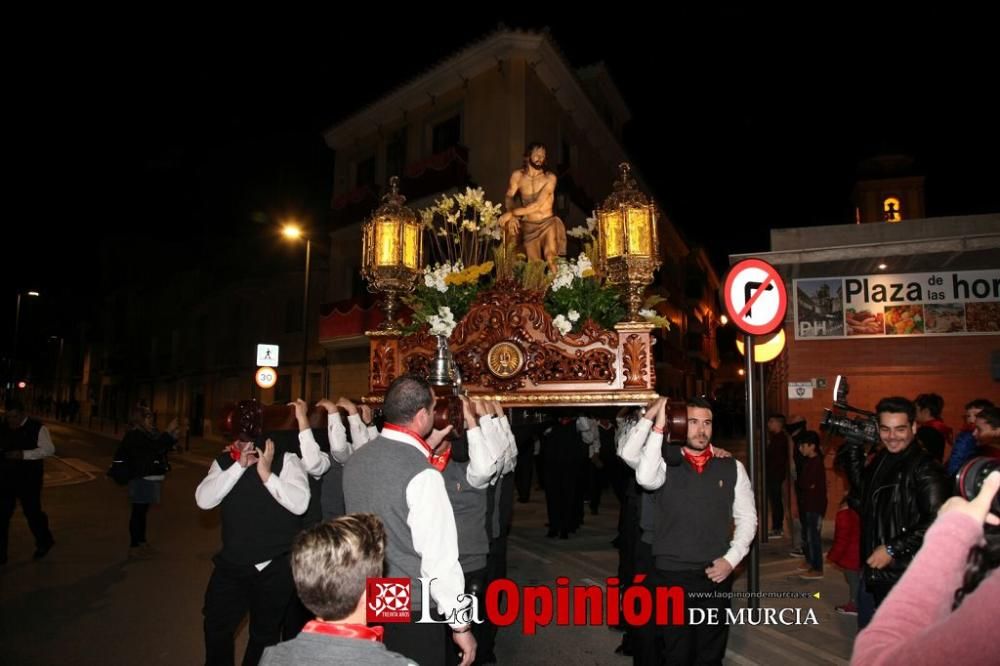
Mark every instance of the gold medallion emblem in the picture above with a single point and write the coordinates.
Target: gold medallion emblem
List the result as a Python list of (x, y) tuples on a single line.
[(505, 359)]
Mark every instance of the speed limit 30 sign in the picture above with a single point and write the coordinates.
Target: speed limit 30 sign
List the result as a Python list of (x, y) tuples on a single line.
[(755, 297), (266, 377)]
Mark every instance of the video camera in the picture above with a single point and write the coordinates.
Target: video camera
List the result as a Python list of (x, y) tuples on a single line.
[(862, 428)]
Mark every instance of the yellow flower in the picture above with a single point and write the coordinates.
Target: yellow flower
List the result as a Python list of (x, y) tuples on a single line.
[(588, 272)]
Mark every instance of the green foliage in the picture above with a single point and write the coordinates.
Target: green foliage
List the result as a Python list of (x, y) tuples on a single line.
[(590, 298)]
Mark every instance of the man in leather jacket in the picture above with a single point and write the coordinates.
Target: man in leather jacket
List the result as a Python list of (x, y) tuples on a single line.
[(899, 493)]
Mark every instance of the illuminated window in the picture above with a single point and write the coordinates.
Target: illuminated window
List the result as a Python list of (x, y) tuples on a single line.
[(891, 210)]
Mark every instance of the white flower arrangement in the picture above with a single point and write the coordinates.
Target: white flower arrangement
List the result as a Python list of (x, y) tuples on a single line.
[(567, 271), (463, 226), (654, 317), (443, 323), (434, 276), (587, 232), (561, 323)]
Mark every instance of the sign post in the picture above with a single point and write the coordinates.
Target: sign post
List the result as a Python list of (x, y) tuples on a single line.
[(756, 301)]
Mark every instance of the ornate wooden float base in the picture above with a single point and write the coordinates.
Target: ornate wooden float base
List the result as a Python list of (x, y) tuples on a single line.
[(507, 348)]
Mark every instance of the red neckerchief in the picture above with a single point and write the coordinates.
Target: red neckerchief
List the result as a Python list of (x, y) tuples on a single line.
[(235, 450), (438, 462), (360, 631), (699, 460)]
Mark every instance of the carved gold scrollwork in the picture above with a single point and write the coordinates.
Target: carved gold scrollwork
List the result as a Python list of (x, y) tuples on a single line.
[(383, 365), (634, 361)]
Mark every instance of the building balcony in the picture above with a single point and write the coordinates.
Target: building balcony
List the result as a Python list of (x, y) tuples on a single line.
[(342, 324), (437, 173), (353, 206)]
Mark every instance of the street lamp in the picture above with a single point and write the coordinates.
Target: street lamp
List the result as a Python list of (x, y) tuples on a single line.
[(17, 325), (294, 232)]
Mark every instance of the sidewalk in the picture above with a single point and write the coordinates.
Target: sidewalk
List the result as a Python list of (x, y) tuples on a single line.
[(193, 449)]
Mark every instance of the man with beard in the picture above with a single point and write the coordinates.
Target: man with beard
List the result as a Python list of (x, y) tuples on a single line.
[(696, 502), (535, 186), (900, 491)]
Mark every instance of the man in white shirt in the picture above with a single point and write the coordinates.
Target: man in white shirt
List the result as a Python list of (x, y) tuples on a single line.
[(694, 546), (263, 495), (24, 443), (396, 476)]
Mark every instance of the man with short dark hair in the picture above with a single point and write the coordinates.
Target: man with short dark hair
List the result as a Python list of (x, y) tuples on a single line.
[(331, 565), (932, 432), (966, 447), (988, 431), (263, 490), (899, 491), (776, 463), (697, 503), (24, 444), (397, 477)]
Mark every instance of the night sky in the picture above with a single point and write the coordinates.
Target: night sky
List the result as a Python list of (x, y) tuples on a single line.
[(740, 124)]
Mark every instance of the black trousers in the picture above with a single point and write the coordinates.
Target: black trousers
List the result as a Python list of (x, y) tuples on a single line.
[(598, 480), (233, 591), (422, 643), (496, 564), (137, 524), (774, 496), (475, 584), (686, 644), (22, 482), (522, 474)]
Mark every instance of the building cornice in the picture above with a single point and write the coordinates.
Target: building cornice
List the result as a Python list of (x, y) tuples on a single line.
[(491, 53)]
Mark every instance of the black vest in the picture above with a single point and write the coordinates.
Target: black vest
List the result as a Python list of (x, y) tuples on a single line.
[(694, 515), (255, 528), (20, 439)]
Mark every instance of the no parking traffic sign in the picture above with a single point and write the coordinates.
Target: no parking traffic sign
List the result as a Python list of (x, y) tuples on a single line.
[(755, 297)]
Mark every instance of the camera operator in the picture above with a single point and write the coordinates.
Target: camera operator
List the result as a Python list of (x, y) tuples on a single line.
[(944, 608), (899, 491)]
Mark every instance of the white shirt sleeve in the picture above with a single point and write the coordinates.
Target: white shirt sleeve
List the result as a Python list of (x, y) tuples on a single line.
[(652, 470), (290, 489), (482, 465), (360, 433), (314, 461), (435, 538), (745, 517), (494, 442), (630, 443), (511, 461), (45, 446), (340, 450), (214, 487)]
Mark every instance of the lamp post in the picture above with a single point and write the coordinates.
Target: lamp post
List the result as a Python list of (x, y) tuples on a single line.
[(56, 376), (17, 326), (392, 249), (629, 252), (294, 232)]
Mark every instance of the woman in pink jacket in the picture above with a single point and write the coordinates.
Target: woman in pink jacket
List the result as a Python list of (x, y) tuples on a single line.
[(944, 608)]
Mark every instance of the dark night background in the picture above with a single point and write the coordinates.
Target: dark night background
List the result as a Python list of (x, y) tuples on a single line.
[(741, 123)]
